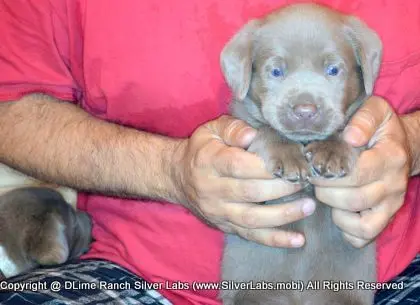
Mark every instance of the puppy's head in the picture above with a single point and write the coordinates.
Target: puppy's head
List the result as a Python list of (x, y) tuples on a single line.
[(305, 67)]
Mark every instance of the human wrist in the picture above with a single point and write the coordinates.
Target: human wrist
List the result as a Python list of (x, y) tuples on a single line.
[(411, 124), (172, 160)]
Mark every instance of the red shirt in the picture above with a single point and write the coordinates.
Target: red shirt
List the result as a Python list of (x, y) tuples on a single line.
[(154, 65)]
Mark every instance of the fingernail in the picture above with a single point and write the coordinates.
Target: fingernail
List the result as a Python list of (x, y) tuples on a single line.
[(297, 241), (353, 135), (248, 134), (308, 207)]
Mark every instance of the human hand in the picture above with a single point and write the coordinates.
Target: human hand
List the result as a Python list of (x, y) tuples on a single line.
[(221, 183), (365, 201)]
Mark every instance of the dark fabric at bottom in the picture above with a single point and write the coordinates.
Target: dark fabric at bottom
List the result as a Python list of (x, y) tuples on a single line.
[(82, 282), (410, 294), (111, 284)]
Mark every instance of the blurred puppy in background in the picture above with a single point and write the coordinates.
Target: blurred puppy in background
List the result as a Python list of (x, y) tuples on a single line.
[(39, 224)]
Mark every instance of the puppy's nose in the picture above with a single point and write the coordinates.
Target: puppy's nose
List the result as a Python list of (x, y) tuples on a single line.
[(305, 111)]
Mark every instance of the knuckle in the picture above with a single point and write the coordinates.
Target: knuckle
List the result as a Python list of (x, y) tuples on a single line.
[(197, 188), (234, 126), (200, 159), (249, 218), (227, 191), (358, 203), (209, 213), (397, 190), (289, 214), (364, 119), (248, 193), (209, 210), (361, 176), (322, 194), (399, 155), (191, 191), (366, 198), (273, 240), (225, 227), (355, 205), (248, 234), (368, 230), (397, 203), (233, 165), (401, 184), (281, 239)]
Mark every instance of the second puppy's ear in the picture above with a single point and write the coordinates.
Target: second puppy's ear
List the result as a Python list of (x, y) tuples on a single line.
[(236, 60)]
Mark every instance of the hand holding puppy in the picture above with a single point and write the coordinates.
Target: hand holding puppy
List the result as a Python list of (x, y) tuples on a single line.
[(220, 183), (365, 201)]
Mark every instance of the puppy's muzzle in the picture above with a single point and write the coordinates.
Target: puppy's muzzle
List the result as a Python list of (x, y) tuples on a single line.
[(304, 110)]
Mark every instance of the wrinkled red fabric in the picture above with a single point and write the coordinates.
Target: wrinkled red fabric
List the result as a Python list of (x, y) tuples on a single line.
[(154, 65)]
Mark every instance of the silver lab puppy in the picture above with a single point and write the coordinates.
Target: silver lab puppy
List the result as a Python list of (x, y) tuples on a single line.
[(298, 75), (39, 223), (38, 227)]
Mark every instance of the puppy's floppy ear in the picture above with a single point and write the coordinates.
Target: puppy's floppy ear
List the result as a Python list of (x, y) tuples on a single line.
[(367, 47), (236, 60)]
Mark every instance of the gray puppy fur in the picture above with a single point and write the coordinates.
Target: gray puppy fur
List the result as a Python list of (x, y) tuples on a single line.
[(298, 75), (38, 227)]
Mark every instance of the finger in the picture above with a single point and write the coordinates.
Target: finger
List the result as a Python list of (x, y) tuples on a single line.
[(237, 163), (352, 199), (227, 161), (355, 241), (272, 237), (268, 216), (367, 120), (252, 190), (232, 131), (366, 225)]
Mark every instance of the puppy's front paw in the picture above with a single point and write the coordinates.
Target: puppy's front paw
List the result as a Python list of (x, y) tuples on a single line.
[(289, 163), (331, 159)]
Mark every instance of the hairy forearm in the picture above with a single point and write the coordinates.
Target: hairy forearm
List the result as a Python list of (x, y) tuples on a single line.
[(58, 142), (411, 124)]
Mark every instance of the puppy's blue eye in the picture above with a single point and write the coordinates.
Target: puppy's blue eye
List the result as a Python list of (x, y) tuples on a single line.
[(277, 72), (332, 70)]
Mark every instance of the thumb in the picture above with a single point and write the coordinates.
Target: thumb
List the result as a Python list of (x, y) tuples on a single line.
[(231, 131), (366, 121)]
